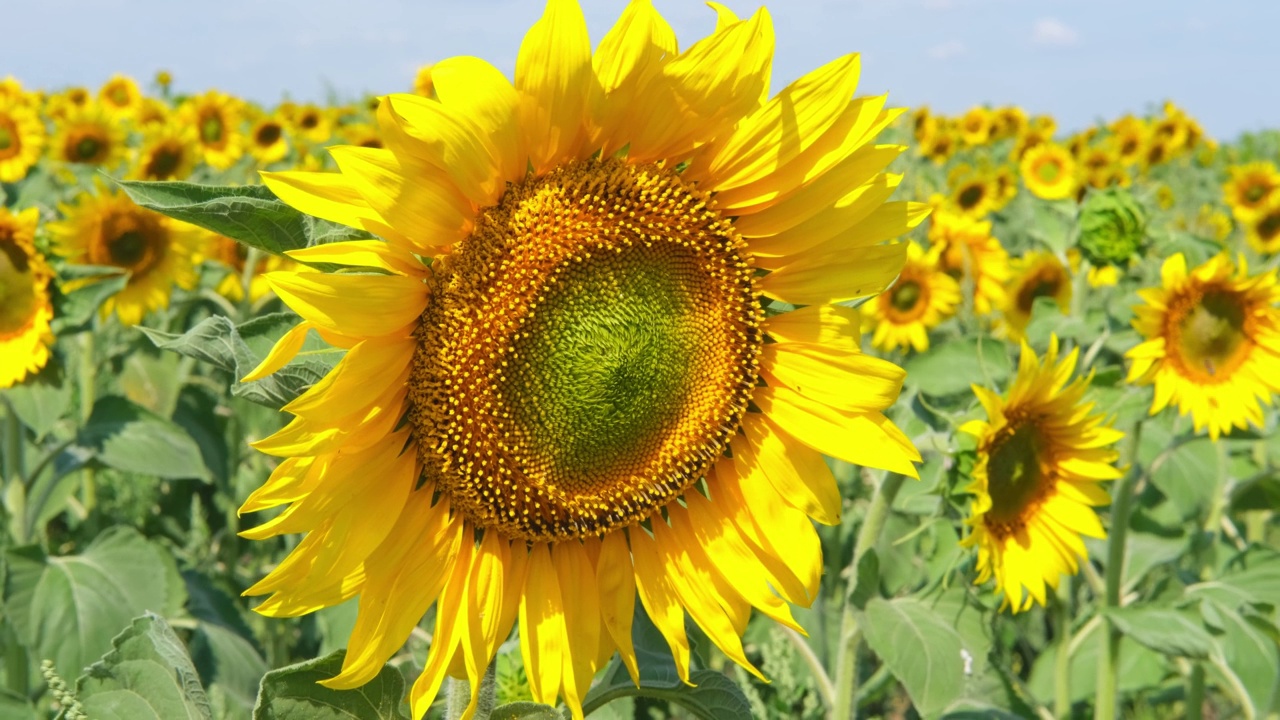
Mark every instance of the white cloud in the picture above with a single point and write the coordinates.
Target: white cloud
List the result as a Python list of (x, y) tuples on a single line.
[(1053, 32), (948, 50)]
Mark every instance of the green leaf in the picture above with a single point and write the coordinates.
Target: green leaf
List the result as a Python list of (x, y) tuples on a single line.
[(1139, 668), (922, 649), (69, 608), (1165, 630), (76, 308), (866, 583), (952, 367), (1249, 666), (525, 711), (147, 675), (1187, 475), (251, 214), (1257, 582), (42, 400), (16, 707), (292, 693), (228, 661), (131, 438)]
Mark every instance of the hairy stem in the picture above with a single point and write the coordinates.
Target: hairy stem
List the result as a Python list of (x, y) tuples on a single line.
[(460, 696)]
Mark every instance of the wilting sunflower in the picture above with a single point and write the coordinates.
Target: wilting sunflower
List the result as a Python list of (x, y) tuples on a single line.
[(216, 118), (1262, 232), (972, 256), (921, 298), (25, 310), (1213, 342), (1041, 455), (120, 96), (974, 191), (168, 152), (1049, 171), (1251, 189), (21, 139), (1036, 274), (89, 136), (268, 141), (108, 229), (547, 406), (233, 255)]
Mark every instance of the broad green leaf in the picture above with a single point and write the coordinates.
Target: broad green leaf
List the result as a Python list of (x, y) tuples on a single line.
[(42, 400), (68, 608), (1255, 580), (1188, 476), (251, 214), (986, 691), (16, 707), (131, 438), (1249, 665), (147, 675), (150, 379), (335, 624), (292, 693), (525, 711), (922, 649), (952, 367), (198, 413), (228, 661), (76, 308), (1165, 630), (211, 340), (1139, 667)]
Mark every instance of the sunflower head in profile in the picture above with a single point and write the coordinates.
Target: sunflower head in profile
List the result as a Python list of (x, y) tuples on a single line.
[(216, 118), (921, 298), (89, 136), (1049, 171), (1036, 274), (120, 96), (1262, 231), (25, 310), (22, 138), (1213, 342), (971, 255), (592, 391), (1040, 457), (268, 139), (1251, 189), (108, 229), (169, 152)]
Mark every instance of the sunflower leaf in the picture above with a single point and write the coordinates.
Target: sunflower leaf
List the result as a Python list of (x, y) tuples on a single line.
[(951, 368), (1165, 630), (129, 437), (147, 674), (293, 693), (250, 214)]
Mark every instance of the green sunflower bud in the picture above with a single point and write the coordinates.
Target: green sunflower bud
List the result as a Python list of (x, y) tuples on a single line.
[(1112, 227)]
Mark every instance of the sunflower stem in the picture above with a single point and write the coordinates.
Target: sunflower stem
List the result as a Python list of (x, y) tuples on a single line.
[(1195, 692), (846, 675), (460, 696), (1062, 663), (246, 282), (88, 396), (1121, 504)]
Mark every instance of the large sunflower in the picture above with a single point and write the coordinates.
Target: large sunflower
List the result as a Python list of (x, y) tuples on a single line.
[(1036, 274), (921, 298), (546, 407), (970, 254), (21, 139), (108, 229), (1213, 342), (25, 310), (89, 136), (1041, 454)]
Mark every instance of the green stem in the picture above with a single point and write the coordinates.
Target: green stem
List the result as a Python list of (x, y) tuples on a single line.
[(1207, 547), (1062, 663), (17, 671), (1121, 505), (1195, 692), (846, 674), (12, 445), (246, 282), (88, 396), (460, 696)]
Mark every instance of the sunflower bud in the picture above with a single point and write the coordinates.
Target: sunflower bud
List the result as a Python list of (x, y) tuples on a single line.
[(1112, 227)]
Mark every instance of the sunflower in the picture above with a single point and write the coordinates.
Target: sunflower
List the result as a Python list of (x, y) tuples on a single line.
[(88, 136), (153, 112), (1262, 231), (62, 103), (975, 126), (1036, 274), (25, 310), (312, 123), (1031, 137), (941, 145), (971, 255), (975, 191), (1213, 342), (120, 96), (1129, 134), (216, 118), (268, 142), (1049, 172), (233, 255), (1251, 188), (361, 135), (921, 298), (21, 139), (108, 229), (1156, 152), (168, 152), (547, 406), (1041, 455), (1008, 122)]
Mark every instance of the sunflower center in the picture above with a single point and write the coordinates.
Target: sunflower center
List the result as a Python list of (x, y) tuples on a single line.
[(6, 138), (211, 129), (1268, 228), (970, 196), (1048, 171), (1015, 474), (164, 163), (18, 298), (119, 96), (87, 148), (268, 134), (1047, 282), (1212, 333), (1254, 193), (309, 121), (127, 249), (588, 352), (905, 295)]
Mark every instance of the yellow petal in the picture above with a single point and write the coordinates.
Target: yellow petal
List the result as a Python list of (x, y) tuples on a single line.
[(485, 593), (658, 598), (818, 279), (581, 621), (480, 94), (326, 195), (802, 478), (368, 369), (857, 220), (284, 485), (360, 305), (450, 627), (833, 326), (553, 78), (284, 350), (633, 51), (449, 143), (542, 628), (616, 578), (867, 439), (360, 253)]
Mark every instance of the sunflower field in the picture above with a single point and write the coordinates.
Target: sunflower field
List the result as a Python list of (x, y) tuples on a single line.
[(629, 383)]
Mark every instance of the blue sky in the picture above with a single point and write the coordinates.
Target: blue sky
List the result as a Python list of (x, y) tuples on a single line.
[(1078, 59)]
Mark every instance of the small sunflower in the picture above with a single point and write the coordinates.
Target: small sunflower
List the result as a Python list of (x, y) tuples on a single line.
[(1008, 122), (1129, 136), (1262, 231), (941, 145), (574, 402), (233, 255), (1213, 342), (974, 191), (361, 135), (312, 123), (1036, 274), (972, 256), (268, 140), (1031, 137), (89, 136), (975, 126), (108, 229), (120, 96), (153, 113), (216, 118), (1157, 151), (921, 298), (1251, 188), (25, 310), (1049, 172), (21, 139), (168, 152), (1042, 453)]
